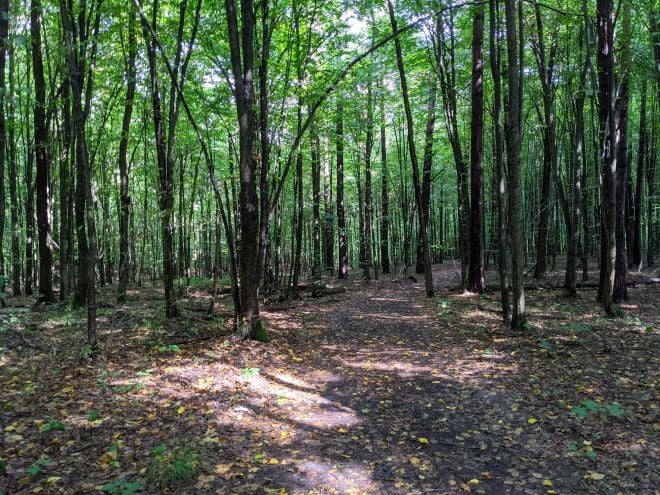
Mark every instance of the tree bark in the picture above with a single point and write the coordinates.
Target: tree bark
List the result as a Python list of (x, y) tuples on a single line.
[(342, 271), (476, 276), (607, 127), (518, 317), (316, 203), (384, 196), (124, 197), (368, 194), (42, 160), (426, 170), (13, 185)]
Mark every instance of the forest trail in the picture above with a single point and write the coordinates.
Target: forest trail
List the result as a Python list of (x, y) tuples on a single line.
[(375, 391)]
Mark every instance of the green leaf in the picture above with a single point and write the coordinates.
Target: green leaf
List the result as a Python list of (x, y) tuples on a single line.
[(580, 412)]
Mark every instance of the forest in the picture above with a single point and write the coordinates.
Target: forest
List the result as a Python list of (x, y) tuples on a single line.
[(345, 247)]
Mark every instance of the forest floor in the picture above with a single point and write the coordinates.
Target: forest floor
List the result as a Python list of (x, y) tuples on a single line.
[(374, 391)]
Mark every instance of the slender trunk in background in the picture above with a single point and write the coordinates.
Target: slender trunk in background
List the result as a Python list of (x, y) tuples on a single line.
[(426, 170), (316, 203), (607, 128), (428, 275), (652, 147), (29, 190), (384, 196), (545, 63), (4, 33), (446, 63), (124, 197), (342, 271), (500, 175), (636, 254), (368, 194), (476, 275), (328, 229), (518, 316), (42, 159), (13, 185)]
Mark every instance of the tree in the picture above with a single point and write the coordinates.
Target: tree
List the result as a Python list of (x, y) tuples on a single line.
[(476, 277)]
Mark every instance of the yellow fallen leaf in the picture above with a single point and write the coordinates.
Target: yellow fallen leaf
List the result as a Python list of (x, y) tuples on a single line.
[(53, 479), (222, 468), (273, 461), (423, 440), (284, 434), (452, 482), (37, 489), (181, 410), (531, 421), (67, 390), (547, 482), (474, 481), (593, 475), (342, 430)]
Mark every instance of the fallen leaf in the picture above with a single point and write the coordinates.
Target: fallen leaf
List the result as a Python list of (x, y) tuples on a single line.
[(531, 421), (181, 410), (423, 440)]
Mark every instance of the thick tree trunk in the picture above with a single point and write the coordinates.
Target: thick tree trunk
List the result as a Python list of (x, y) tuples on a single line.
[(607, 128), (518, 317), (428, 275), (42, 160), (476, 276), (4, 33)]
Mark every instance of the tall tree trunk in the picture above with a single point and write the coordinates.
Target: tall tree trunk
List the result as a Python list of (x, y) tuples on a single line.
[(124, 197), (384, 196), (368, 194), (545, 63), (328, 230), (428, 275), (446, 61), (29, 194), (636, 254), (316, 203), (342, 271), (502, 237), (476, 276), (13, 185), (607, 127), (426, 170), (620, 292), (518, 317), (4, 33), (42, 159)]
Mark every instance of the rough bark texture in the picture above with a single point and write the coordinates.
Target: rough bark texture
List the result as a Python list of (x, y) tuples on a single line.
[(316, 204), (607, 126), (368, 193), (476, 277), (518, 316), (42, 159), (426, 171)]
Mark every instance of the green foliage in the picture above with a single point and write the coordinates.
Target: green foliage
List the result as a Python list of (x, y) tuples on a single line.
[(3, 468), (169, 349), (52, 424), (579, 327), (93, 416), (603, 411), (123, 487), (171, 466), (249, 372), (36, 468)]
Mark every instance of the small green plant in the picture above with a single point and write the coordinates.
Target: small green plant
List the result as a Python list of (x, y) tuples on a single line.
[(603, 411), (123, 487), (36, 468), (171, 466), (169, 349), (88, 351), (249, 372), (52, 424), (93, 416)]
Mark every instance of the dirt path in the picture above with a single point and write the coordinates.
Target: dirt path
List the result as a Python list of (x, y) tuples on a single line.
[(377, 391)]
